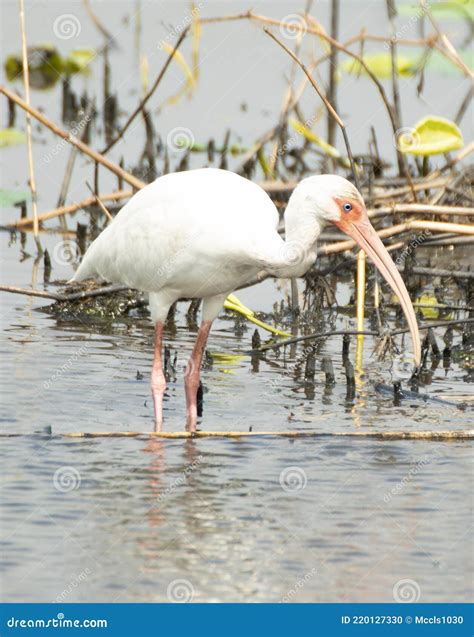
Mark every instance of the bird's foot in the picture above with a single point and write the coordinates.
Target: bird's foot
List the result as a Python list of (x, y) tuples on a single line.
[(158, 411), (191, 389), (191, 421), (158, 391)]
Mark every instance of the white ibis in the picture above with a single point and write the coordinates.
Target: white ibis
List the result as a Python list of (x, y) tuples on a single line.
[(204, 233)]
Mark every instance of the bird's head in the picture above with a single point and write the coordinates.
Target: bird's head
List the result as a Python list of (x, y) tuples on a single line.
[(339, 202)]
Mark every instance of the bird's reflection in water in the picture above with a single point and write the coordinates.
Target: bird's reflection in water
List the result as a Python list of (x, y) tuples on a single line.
[(360, 398), (181, 492), (156, 471)]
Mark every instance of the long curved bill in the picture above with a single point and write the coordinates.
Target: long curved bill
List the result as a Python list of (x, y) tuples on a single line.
[(364, 234)]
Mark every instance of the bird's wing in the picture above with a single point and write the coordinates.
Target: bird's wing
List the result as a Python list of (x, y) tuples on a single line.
[(182, 225)]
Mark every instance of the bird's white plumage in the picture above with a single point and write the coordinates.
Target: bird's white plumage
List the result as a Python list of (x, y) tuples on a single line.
[(195, 234), (203, 233)]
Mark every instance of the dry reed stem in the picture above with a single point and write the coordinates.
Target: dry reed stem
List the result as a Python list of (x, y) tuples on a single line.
[(27, 292), (98, 24), (141, 105), (378, 435), (361, 262), (270, 134), (324, 335), (450, 51), (405, 190), (431, 41), (463, 153), (31, 165), (64, 210), (84, 148), (341, 47), (414, 208), (74, 296), (99, 202), (285, 108), (392, 13), (325, 100), (248, 15), (333, 82)]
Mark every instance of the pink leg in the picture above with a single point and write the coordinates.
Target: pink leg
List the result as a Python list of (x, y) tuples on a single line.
[(158, 380), (192, 375)]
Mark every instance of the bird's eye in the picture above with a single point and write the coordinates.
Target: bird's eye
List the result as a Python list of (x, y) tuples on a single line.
[(347, 207)]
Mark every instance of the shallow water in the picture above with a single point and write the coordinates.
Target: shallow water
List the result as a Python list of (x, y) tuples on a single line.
[(134, 525), (260, 520), (237, 520)]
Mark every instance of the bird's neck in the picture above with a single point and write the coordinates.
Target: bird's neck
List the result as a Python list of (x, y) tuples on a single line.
[(302, 229)]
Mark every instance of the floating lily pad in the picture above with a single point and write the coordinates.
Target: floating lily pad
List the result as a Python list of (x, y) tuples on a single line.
[(78, 61), (47, 66), (431, 136), (452, 9), (44, 64), (424, 303), (197, 147), (380, 64), (12, 197), (11, 137), (440, 63)]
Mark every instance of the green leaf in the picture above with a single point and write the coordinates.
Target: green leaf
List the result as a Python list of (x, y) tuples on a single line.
[(47, 66), (12, 197), (430, 136), (451, 9), (78, 61), (380, 64), (44, 63), (144, 73), (440, 63), (263, 163), (428, 305), (308, 134), (232, 303), (197, 147), (11, 137), (190, 80)]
